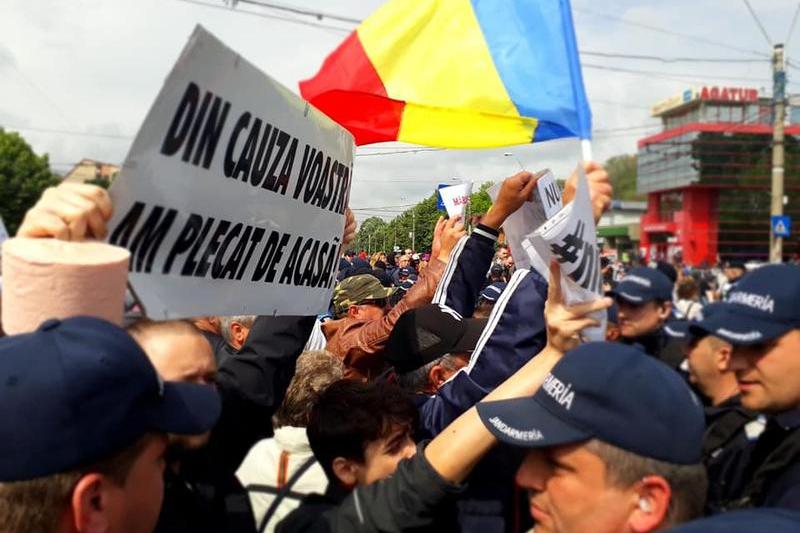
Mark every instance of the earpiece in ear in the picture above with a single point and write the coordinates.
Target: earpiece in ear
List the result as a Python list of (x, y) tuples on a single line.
[(645, 506)]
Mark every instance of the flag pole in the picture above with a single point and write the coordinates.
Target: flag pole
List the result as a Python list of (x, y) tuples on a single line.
[(586, 150)]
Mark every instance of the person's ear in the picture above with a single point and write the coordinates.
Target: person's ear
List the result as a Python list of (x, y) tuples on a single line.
[(238, 333), (353, 311), (346, 471), (90, 504), (652, 505), (665, 311), (723, 357), (436, 376)]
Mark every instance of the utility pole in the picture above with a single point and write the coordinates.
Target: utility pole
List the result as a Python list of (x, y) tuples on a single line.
[(779, 106)]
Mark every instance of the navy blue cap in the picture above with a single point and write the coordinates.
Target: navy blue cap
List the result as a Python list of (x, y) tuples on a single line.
[(611, 392), (492, 292), (642, 285), (612, 313), (774, 520), (405, 271), (763, 306), (77, 390), (497, 269)]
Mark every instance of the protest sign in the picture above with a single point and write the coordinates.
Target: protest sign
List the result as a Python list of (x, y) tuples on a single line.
[(571, 239), (232, 197), (530, 216), (456, 198)]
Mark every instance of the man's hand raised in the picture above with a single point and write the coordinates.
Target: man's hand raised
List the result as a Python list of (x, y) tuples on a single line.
[(70, 212), (449, 233), (565, 322), (600, 189), (514, 192)]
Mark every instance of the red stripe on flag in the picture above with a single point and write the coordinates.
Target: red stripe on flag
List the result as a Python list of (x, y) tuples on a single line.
[(349, 90)]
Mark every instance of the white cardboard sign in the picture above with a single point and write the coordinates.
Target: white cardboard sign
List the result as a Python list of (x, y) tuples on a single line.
[(232, 197), (570, 237), (456, 198), (530, 216)]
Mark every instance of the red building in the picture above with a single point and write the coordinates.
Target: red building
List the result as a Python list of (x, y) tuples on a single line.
[(707, 177)]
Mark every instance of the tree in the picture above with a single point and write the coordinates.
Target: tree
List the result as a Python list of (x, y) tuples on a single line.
[(479, 201), (23, 177), (622, 172)]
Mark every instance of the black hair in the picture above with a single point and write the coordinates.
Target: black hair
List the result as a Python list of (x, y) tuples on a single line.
[(349, 415)]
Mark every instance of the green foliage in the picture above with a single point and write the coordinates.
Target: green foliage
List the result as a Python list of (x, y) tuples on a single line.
[(622, 172), (23, 177)]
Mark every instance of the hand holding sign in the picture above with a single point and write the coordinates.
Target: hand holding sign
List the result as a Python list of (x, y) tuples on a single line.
[(600, 188), (514, 192)]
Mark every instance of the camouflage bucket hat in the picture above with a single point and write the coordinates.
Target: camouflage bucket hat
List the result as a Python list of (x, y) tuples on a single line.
[(356, 290)]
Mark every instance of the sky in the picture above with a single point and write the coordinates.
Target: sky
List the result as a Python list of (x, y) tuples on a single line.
[(77, 77)]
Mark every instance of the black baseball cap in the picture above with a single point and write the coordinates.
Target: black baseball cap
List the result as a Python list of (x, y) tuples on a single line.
[(763, 306), (642, 285), (77, 390), (611, 392), (427, 333)]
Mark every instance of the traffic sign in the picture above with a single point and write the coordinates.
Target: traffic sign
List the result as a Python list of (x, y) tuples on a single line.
[(781, 225)]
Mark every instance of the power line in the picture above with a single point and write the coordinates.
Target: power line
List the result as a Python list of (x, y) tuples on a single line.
[(668, 32), (671, 75), (758, 22), (791, 27), (268, 16), (663, 59), (299, 11), (71, 132)]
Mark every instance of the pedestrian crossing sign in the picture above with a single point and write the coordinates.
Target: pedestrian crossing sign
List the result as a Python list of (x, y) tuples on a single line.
[(781, 225)]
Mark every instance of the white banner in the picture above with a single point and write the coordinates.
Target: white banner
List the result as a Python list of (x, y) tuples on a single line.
[(232, 197), (456, 198), (570, 237)]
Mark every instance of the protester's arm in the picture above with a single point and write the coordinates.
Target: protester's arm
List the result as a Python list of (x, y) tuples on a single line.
[(472, 257), (515, 330), (370, 338)]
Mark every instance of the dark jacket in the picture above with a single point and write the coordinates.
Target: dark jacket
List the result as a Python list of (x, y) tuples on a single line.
[(731, 432), (662, 346), (772, 475), (416, 498), (203, 495)]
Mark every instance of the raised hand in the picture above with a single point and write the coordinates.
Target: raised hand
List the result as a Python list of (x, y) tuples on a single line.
[(70, 212), (565, 322), (600, 189)]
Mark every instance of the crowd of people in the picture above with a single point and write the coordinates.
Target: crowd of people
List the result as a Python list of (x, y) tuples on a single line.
[(440, 391)]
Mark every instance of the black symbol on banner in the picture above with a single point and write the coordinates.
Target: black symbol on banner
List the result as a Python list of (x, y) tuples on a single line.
[(574, 249)]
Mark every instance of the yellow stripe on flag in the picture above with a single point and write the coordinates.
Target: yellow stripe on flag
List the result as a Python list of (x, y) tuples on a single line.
[(458, 128), (432, 55)]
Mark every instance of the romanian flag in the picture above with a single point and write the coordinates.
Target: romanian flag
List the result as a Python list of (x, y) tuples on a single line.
[(457, 74)]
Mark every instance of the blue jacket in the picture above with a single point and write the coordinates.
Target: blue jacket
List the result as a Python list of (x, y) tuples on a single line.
[(515, 332)]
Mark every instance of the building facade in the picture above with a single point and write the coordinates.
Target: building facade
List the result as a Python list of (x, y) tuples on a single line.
[(707, 177)]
